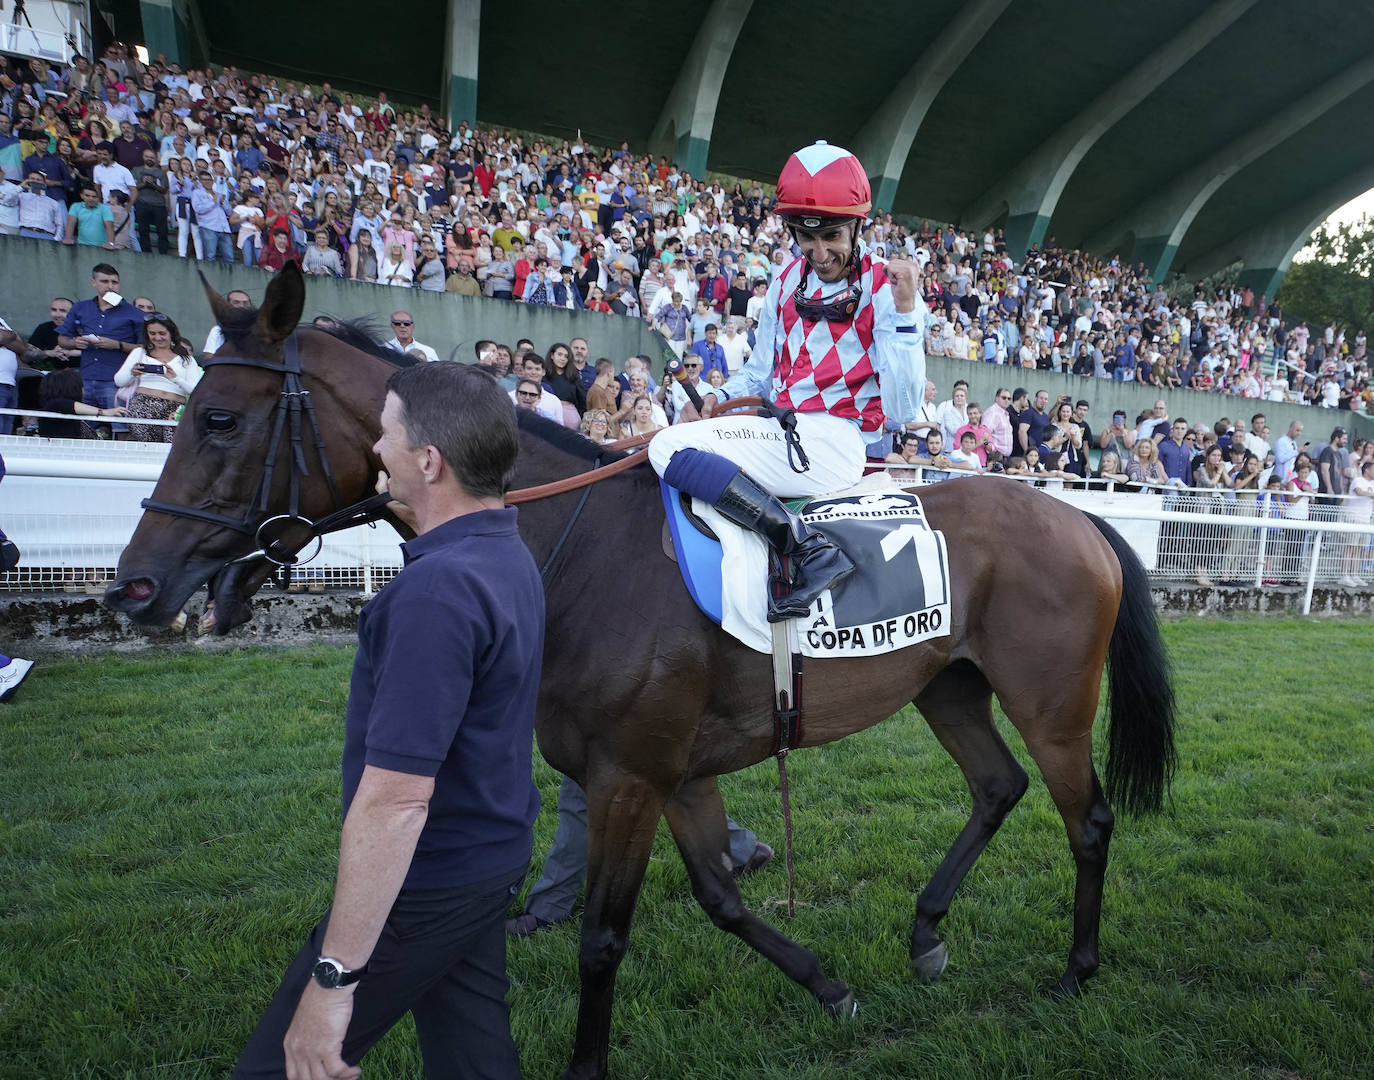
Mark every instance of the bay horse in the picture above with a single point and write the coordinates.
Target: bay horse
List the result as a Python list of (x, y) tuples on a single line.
[(646, 717)]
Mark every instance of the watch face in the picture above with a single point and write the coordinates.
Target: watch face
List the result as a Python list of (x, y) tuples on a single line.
[(327, 974)]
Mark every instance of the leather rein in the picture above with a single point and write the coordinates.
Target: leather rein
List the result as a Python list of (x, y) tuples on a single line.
[(634, 442)]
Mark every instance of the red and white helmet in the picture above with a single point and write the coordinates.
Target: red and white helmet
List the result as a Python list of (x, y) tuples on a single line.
[(822, 181)]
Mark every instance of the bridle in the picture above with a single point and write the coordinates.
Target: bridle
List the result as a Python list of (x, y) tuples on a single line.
[(293, 406)]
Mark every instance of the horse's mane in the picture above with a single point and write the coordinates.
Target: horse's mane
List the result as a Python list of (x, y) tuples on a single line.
[(361, 334), (565, 439)]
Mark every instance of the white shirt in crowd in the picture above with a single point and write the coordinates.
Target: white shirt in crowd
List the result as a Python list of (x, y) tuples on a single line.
[(414, 346), (181, 376), (9, 362), (736, 350)]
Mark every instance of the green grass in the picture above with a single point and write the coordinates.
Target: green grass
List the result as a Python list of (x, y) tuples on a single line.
[(168, 828)]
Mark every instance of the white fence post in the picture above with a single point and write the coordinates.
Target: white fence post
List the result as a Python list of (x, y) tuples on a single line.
[(1312, 573)]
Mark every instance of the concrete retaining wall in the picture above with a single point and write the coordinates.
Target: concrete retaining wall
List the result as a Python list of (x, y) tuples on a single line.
[(34, 271), (37, 624)]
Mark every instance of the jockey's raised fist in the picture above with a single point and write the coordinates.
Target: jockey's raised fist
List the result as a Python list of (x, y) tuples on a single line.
[(905, 278)]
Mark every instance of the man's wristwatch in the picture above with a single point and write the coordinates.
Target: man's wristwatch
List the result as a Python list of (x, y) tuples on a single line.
[(330, 974)]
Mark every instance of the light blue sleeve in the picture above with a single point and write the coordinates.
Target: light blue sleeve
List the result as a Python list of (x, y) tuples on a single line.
[(755, 377), (899, 357)]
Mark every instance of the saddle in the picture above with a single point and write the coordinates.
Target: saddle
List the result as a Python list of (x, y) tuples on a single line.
[(897, 596)]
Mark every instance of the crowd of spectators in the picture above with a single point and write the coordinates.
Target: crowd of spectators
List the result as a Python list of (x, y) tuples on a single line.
[(239, 167)]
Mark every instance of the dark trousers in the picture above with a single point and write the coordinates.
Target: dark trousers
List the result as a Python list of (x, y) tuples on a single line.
[(441, 958), (156, 214)]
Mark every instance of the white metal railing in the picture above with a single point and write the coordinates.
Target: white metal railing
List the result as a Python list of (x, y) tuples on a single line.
[(71, 506)]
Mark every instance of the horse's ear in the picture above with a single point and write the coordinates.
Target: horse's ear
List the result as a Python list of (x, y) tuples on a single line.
[(282, 305), (220, 306)]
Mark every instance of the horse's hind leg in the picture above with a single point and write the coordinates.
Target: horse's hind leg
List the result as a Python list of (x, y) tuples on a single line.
[(957, 704), (1058, 734), (697, 817), (1068, 771), (622, 815)]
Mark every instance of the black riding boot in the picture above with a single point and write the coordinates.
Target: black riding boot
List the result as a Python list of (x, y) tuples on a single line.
[(815, 563)]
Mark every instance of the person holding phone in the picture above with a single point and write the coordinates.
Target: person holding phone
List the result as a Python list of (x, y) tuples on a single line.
[(1118, 438), (163, 373)]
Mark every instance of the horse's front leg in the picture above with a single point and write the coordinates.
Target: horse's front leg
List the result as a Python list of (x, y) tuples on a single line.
[(622, 815), (697, 817)]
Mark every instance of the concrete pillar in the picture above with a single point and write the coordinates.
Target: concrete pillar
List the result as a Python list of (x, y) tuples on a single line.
[(462, 25), (1159, 223), (683, 130), (1030, 192), (165, 31), (885, 141), (1267, 250)]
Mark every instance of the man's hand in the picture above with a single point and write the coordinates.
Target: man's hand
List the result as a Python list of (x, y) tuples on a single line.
[(905, 279), (708, 405), (400, 509), (315, 1038)]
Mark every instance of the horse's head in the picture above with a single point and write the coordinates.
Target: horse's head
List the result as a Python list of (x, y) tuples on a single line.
[(244, 445)]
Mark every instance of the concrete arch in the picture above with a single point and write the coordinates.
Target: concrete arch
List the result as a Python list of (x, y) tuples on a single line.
[(1163, 219), (462, 29), (1267, 250), (1034, 186), (689, 112), (884, 143)]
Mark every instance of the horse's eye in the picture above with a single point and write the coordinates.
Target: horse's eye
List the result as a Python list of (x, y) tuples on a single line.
[(219, 420)]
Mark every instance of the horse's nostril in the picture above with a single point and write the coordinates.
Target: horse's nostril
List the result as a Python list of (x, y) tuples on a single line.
[(138, 589)]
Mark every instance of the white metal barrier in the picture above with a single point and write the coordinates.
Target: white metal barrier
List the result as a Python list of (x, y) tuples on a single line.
[(72, 505)]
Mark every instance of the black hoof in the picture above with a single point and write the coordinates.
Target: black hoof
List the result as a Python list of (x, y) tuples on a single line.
[(930, 965), (574, 1072), (846, 1008), (1065, 988)]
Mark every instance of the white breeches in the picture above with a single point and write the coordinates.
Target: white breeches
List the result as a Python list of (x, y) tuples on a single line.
[(834, 446)]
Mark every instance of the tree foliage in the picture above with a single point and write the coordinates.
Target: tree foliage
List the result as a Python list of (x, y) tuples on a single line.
[(1337, 283)]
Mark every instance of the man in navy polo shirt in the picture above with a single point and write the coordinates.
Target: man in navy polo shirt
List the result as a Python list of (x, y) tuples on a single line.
[(104, 328), (437, 795)]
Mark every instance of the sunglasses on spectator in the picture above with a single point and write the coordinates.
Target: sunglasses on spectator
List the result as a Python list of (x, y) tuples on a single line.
[(402, 322), (534, 394)]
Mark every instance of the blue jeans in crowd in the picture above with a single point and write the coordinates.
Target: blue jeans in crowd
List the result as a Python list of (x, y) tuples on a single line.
[(250, 252), (8, 398), (101, 394), (217, 245)]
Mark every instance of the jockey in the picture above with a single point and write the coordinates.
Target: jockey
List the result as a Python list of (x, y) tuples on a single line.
[(840, 343)]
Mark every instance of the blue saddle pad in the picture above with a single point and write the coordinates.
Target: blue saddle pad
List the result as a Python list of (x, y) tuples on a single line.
[(698, 556)]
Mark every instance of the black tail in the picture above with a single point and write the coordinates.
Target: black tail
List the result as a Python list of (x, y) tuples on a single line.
[(1140, 697)]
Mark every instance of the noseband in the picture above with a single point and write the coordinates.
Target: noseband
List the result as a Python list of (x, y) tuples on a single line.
[(293, 403)]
